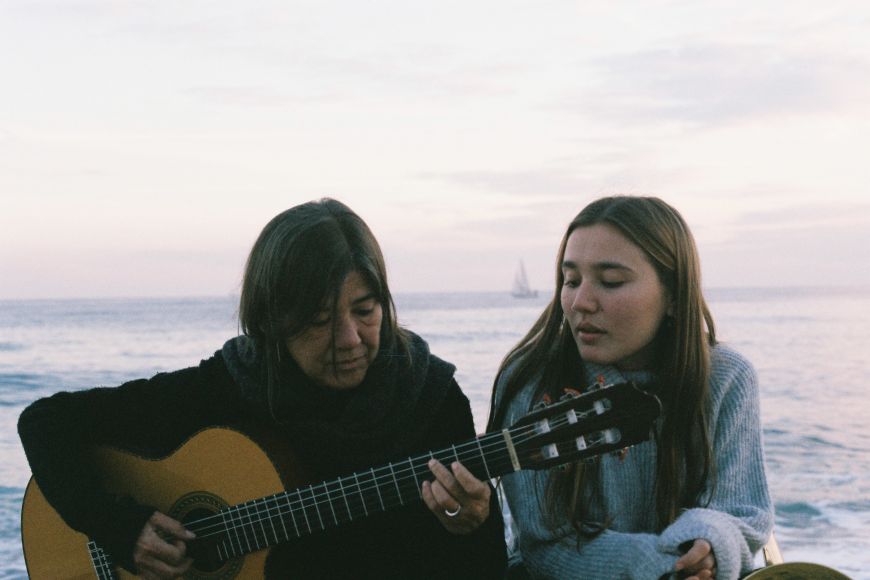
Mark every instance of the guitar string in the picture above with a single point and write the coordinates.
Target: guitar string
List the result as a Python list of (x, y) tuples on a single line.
[(518, 435), (284, 502), (284, 505), (296, 505)]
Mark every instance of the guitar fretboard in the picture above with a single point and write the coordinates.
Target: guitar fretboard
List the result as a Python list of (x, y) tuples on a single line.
[(264, 522)]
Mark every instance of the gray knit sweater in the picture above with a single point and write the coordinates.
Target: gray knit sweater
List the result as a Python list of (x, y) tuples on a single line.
[(737, 521)]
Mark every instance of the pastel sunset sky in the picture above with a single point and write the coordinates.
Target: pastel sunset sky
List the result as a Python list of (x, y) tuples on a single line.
[(144, 144)]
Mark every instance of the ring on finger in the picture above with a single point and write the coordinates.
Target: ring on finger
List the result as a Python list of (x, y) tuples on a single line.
[(454, 513)]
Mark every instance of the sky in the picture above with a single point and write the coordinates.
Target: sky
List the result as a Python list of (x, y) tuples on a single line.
[(144, 144)]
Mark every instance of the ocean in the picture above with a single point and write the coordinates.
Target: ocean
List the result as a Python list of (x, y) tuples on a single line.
[(811, 347)]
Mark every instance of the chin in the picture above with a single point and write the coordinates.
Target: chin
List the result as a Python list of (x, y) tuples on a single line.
[(348, 382), (596, 358)]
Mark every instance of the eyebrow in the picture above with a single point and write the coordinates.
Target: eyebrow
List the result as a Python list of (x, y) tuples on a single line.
[(369, 296), (570, 265)]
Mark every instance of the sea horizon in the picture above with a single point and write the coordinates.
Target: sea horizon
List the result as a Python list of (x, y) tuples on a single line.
[(806, 342)]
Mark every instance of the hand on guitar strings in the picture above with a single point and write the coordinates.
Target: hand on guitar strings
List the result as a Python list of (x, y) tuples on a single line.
[(458, 499), (160, 550)]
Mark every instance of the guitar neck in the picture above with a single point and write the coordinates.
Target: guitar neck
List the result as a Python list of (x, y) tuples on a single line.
[(264, 522)]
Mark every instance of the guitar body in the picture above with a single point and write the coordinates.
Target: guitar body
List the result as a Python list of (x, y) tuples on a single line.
[(796, 571), (215, 468), (258, 505)]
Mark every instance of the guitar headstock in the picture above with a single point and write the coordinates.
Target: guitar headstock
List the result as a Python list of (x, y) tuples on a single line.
[(596, 422)]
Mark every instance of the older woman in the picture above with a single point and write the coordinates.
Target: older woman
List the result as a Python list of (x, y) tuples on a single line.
[(322, 364)]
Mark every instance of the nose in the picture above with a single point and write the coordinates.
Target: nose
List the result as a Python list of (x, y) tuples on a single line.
[(585, 299), (347, 333)]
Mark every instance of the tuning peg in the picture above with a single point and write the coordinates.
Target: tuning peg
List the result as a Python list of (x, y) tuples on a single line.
[(569, 395)]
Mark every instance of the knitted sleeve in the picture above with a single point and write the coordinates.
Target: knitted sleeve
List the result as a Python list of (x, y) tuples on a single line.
[(739, 517), (562, 554)]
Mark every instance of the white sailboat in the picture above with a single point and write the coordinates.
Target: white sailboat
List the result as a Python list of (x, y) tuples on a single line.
[(521, 287)]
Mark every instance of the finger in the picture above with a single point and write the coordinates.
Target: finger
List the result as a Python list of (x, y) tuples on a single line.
[(700, 549), (444, 498), (430, 501), (150, 547), (455, 525), (156, 568), (472, 486), (445, 477), (171, 526)]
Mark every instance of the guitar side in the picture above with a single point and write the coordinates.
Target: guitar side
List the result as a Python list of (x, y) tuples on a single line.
[(216, 464)]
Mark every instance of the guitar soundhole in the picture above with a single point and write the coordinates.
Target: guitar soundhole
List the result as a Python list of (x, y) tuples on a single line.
[(207, 564)]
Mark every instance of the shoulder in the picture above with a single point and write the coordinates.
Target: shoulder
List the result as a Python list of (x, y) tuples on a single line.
[(732, 375), (418, 351), (726, 363)]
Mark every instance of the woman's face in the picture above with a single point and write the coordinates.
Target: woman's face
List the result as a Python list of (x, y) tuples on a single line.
[(341, 364), (612, 298)]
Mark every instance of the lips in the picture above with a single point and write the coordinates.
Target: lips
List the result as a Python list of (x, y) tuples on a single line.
[(586, 328), (350, 363)]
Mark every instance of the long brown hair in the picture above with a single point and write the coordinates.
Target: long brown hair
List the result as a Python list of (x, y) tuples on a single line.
[(682, 363), (295, 270)]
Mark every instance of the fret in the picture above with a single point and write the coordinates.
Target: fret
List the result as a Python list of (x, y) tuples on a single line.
[(292, 515), (242, 527), (483, 458), (255, 520), (396, 482), (101, 562), (280, 518), (455, 454), (316, 507), (417, 488), (230, 527), (329, 501), (346, 504), (378, 489), (361, 495), (304, 511), (442, 457), (271, 517)]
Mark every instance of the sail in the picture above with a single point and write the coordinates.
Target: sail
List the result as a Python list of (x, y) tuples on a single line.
[(521, 287)]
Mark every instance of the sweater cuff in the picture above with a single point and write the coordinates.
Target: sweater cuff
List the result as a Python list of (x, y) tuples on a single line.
[(648, 560), (718, 529)]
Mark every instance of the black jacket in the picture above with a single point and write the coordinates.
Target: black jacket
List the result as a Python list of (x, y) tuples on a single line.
[(154, 416)]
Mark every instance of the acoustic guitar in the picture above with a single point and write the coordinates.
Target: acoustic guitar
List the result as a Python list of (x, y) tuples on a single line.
[(226, 489)]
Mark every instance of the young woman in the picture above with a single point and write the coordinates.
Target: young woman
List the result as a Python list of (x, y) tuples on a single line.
[(322, 365), (628, 306)]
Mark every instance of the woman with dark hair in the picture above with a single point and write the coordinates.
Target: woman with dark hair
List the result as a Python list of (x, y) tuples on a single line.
[(628, 306), (322, 365)]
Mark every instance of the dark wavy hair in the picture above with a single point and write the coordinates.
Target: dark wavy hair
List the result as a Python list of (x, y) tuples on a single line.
[(682, 362), (296, 269)]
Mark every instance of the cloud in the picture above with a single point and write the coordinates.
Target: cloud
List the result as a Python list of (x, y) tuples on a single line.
[(559, 181), (801, 245), (807, 215), (720, 83), (258, 96)]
